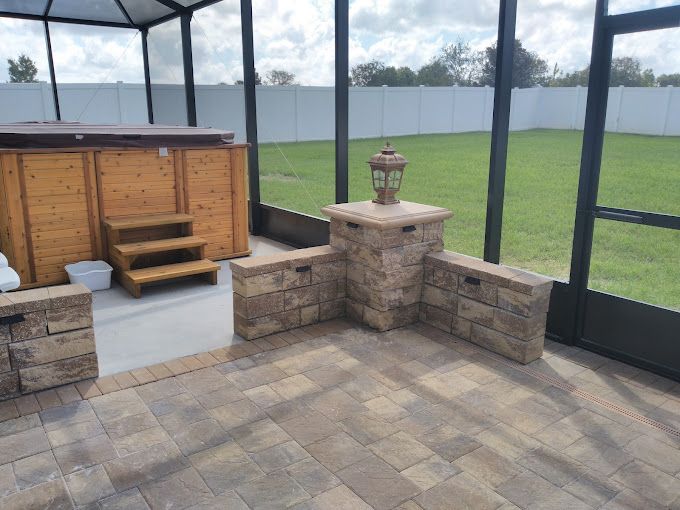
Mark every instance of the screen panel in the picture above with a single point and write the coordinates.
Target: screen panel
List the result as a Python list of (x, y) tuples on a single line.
[(144, 12), (100, 73), (26, 93), (166, 69), (295, 61), (547, 113), (417, 79), (23, 6), (218, 65), (96, 10)]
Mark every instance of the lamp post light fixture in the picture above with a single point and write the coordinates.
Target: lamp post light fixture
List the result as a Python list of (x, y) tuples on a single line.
[(387, 169)]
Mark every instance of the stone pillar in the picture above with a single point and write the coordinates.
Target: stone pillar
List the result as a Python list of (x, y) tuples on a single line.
[(385, 247)]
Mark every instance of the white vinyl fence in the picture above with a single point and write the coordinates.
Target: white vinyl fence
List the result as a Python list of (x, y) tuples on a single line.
[(295, 113)]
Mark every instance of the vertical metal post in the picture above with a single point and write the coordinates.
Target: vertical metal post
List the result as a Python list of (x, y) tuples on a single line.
[(147, 74), (188, 61), (341, 101), (53, 78), (499, 130), (591, 158), (251, 115)]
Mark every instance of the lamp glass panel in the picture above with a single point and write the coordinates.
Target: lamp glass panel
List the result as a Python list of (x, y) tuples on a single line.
[(378, 179), (394, 179)]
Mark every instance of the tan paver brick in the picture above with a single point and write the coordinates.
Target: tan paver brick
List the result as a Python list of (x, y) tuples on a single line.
[(87, 389), (107, 384)]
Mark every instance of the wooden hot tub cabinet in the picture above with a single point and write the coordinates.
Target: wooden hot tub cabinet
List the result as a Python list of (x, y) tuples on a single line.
[(53, 201)]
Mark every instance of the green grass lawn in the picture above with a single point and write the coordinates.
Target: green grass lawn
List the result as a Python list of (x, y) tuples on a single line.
[(451, 170)]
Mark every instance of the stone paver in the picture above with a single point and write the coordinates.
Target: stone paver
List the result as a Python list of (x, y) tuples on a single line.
[(460, 492), (488, 466), (338, 451), (312, 476), (178, 490), (400, 450), (430, 472), (225, 467), (276, 490), (89, 485), (412, 419), (23, 444), (279, 456), (338, 498), (35, 470), (378, 483)]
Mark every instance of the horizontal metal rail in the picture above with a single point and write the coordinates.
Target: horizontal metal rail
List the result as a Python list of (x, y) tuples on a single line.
[(642, 21), (640, 217)]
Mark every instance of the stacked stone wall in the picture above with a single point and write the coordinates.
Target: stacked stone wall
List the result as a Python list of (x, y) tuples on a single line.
[(284, 291), (46, 339), (497, 307), (388, 278)]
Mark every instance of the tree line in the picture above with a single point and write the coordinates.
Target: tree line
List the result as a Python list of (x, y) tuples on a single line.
[(456, 64), (460, 64), (23, 70)]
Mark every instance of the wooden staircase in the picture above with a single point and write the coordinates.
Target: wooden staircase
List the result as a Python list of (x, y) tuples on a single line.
[(124, 255)]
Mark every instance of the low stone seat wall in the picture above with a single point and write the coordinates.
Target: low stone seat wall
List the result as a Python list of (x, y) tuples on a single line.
[(390, 260), (287, 290), (497, 307), (46, 339)]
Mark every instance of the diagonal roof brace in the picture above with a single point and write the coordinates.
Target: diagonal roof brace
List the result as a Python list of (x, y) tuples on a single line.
[(126, 14), (175, 6)]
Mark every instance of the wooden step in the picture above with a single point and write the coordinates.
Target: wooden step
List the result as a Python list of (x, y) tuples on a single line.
[(159, 245), (147, 220), (158, 273), (133, 279)]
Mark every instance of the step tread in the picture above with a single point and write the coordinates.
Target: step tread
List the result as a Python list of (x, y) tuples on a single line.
[(147, 220), (168, 271), (159, 245)]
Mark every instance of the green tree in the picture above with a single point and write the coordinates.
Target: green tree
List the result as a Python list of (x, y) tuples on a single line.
[(22, 70), (579, 77), (280, 77), (258, 80), (399, 77), (462, 62), (664, 80), (627, 71), (376, 74), (434, 74), (365, 75), (528, 68)]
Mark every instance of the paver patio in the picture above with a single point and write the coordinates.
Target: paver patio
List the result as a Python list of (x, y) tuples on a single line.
[(346, 418)]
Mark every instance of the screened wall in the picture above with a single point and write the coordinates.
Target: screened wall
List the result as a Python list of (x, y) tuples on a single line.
[(550, 130)]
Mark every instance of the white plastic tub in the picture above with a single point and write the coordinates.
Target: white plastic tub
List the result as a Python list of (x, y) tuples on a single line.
[(94, 274)]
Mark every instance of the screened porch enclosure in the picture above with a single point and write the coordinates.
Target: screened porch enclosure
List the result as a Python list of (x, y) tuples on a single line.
[(633, 325)]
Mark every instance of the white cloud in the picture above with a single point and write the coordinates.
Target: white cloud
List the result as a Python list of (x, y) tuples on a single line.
[(299, 37)]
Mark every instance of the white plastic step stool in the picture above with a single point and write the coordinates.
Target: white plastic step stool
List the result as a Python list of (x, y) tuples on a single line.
[(9, 279)]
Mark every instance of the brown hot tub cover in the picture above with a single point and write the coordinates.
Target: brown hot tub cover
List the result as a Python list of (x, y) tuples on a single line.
[(55, 134)]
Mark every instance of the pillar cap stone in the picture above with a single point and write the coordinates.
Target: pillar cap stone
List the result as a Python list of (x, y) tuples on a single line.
[(384, 217)]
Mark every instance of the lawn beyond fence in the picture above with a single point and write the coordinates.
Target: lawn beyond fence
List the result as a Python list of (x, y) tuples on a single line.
[(451, 170)]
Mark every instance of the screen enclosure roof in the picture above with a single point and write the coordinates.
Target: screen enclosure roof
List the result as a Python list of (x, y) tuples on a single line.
[(116, 13)]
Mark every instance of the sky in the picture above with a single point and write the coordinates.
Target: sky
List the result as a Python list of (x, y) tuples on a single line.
[(299, 37)]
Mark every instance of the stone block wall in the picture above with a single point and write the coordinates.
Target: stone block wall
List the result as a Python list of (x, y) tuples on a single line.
[(497, 307), (287, 290), (46, 339), (386, 267), (385, 270)]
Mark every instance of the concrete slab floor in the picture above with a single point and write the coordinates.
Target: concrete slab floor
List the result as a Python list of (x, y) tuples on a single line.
[(171, 320)]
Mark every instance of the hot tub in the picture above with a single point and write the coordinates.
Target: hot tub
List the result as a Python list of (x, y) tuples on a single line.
[(60, 181)]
